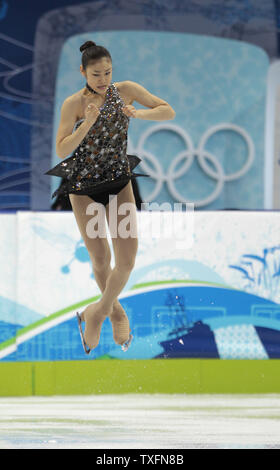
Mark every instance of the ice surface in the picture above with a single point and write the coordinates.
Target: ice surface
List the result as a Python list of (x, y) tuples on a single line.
[(141, 421)]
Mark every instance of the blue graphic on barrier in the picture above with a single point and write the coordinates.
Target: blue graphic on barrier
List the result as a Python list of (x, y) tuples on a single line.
[(261, 272)]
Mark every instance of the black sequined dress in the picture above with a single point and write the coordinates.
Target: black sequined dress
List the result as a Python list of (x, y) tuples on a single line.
[(100, 166)]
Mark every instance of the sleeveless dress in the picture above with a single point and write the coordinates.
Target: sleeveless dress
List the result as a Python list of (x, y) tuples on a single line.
[(100, 166)]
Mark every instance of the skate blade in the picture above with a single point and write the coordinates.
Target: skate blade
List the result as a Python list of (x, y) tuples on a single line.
[(126, 345), (86, 348)]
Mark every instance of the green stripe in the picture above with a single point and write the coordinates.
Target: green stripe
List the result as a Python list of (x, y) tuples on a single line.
[(182, 281), (7, 343)]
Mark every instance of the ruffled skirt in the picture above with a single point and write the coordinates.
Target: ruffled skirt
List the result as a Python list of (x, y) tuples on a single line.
[(88, 185)]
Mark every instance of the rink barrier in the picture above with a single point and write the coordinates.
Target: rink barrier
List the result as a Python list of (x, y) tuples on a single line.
[(191, 376)]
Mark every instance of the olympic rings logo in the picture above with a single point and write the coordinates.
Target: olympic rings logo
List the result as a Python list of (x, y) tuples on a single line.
[(202, 155)]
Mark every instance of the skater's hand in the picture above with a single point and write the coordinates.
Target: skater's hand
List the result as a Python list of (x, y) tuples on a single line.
[(129, 110), (91, 113)]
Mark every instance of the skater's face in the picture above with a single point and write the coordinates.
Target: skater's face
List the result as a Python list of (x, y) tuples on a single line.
[(98, 75)]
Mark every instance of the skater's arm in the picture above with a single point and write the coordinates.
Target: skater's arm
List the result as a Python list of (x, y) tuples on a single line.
[(66, 142), (159, 110)]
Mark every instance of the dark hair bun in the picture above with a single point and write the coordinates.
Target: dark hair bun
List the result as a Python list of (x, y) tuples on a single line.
[(86, 45)]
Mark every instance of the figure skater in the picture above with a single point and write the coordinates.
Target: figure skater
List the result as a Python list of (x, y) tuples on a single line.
[(93, 125)]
